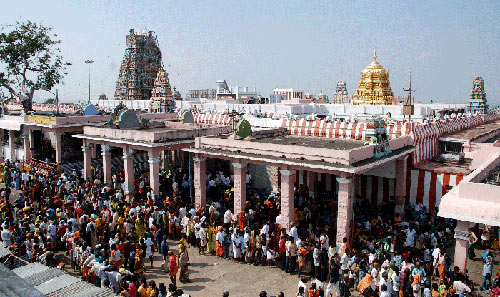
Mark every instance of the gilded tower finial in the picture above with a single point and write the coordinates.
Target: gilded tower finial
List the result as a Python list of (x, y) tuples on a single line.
[(375, 55)]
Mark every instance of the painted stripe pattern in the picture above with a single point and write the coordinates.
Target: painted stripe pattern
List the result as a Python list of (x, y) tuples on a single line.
[(426, 135), (212, 119), (427, 187)]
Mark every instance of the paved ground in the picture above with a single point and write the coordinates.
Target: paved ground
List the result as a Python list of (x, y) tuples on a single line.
[(212, 275)]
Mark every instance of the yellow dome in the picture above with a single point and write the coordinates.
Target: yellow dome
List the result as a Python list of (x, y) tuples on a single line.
[(374, 86)]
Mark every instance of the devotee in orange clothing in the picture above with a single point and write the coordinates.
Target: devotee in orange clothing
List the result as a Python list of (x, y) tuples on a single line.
[(242, 220)]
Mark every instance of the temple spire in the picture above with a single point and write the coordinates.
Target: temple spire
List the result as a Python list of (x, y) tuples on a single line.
[(374, 55)]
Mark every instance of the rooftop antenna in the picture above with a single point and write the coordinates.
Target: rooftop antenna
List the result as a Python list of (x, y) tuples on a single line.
[(409, 104)]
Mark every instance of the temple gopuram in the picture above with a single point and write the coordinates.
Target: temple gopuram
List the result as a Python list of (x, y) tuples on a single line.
[(477, 101), (139, 67), (162, 97), (374, 87)]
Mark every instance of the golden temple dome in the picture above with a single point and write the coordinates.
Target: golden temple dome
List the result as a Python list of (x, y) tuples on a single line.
[(374, 86)]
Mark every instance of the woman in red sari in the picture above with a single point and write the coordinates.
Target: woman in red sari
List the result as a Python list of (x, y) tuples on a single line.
[(172, 267)]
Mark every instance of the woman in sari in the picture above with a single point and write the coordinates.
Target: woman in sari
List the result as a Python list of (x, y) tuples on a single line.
[(172, 267), (116, 256), (184, 266), (219, 237), (210, 238), (139, 261), (139, 228)]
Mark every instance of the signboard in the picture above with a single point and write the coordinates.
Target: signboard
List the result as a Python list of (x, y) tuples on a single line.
[(408, 109), (39, 119)]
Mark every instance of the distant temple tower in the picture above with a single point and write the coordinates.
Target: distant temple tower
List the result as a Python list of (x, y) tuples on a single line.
[(341, 89), (477, 101), (374, 87), (139, 67), (162, 97)]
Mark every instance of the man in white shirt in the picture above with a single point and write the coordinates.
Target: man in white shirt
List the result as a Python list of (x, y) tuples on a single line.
[(6, 236), (294, 233), (461, 287), (227, 218)]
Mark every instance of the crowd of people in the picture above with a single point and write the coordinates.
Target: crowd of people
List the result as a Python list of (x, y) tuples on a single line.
[(110, 237)]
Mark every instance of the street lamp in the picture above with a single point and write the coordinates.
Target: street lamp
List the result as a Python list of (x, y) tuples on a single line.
[(89, 62)]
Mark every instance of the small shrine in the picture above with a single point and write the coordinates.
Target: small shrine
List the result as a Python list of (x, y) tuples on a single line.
[(341, 89), (376, 132), (477, 101), (162, 97), (374, 87)]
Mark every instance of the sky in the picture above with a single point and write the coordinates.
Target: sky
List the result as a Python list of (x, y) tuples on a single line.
[(305, 45)]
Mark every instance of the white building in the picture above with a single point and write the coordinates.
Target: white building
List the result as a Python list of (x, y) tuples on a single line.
[(240, 94), (291, 94)]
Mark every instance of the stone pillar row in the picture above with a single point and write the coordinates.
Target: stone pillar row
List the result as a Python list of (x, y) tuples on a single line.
[(128, 165), (345, 195)]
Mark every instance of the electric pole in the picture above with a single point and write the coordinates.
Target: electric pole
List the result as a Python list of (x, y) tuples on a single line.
[(89, 62), (409, 101)]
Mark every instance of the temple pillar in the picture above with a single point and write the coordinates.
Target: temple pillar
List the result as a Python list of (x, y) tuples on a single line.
[(154, 171), (27, 144), (93, 150), (400, 187), (200, 181), (275, 180), (128, 167), (312, 177), (344, 217), (461, 244), (287, 198), (87, 160), (240, 187), (12, 146), (106, 163), (58, 147)]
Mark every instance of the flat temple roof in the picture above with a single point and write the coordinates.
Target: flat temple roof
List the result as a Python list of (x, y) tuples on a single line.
[(313, 142), (473, 133), (358, 168)]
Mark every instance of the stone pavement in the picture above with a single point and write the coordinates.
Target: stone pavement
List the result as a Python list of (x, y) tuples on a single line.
[(211, 275)]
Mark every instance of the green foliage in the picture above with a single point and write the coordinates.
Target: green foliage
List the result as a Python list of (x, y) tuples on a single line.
[(50, 101), (243, 129), (31, 60)]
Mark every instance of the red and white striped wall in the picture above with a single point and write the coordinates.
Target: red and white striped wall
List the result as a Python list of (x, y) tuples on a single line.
[(330, 180), (338, 129), (426, 135), (212, 119), (376, 189), (427, 187)]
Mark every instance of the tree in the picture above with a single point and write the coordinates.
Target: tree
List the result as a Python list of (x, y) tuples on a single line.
[(30, 60)]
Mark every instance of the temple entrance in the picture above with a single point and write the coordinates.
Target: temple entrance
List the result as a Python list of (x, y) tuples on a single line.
[(71, 148), (42, 147)]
